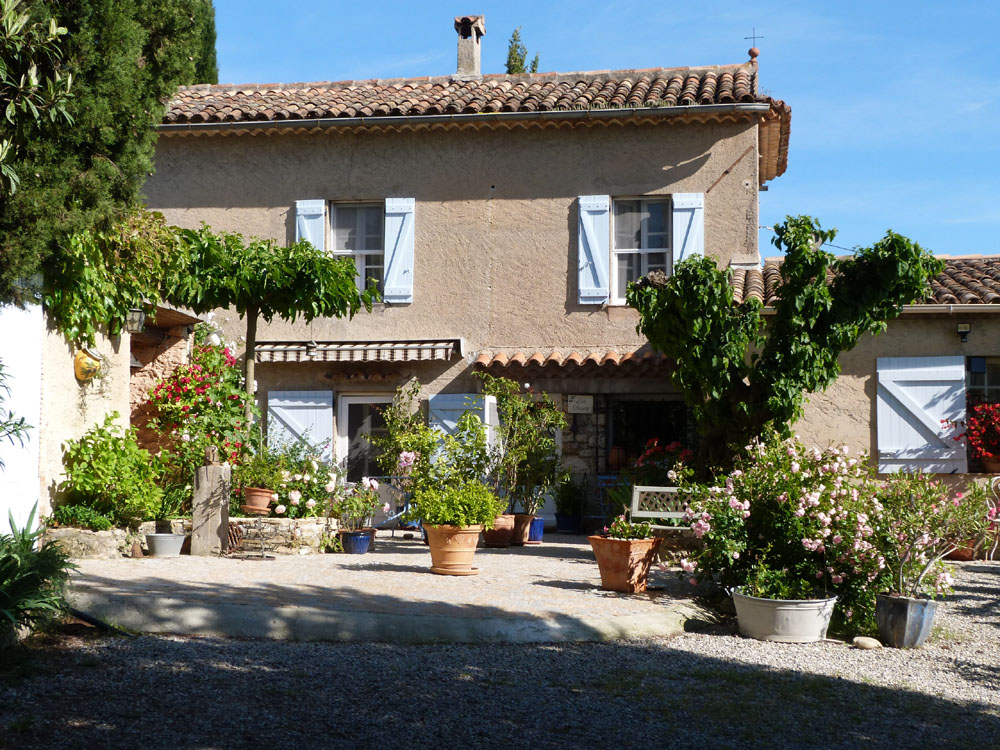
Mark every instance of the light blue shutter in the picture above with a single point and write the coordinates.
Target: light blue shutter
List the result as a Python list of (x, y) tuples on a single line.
[(594, 248), (301, 415), (689, 225), (914, 395), (310, 222), (398, 286), (444, 409)]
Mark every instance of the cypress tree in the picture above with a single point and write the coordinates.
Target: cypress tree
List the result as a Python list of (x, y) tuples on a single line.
[(126, 57)]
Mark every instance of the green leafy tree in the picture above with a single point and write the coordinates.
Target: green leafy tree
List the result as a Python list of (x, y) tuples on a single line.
[(740, 375), (103, 273), (33, 91), (126, 58), (260, 279), (525, 461), (517, 55)]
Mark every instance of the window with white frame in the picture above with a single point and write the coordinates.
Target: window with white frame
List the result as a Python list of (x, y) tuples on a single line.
[(641, 233), (982, 379), (358, 229)]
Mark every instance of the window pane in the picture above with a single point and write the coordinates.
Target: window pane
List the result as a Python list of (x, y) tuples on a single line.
[(363, 420), (656, 224), (656, 262), (345, 233), (977, 379), (993, 372), (628, 227), (374, 269), (628, 270), (373, 228)]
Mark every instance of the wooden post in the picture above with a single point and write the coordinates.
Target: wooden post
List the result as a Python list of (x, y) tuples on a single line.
[(210, 512)]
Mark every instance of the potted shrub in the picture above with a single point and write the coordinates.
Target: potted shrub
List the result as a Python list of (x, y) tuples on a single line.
[(792, 535), (926, 522), (354, 508), (524, 461), (258, 477), (453, 515), (570, 499), (624, 554)]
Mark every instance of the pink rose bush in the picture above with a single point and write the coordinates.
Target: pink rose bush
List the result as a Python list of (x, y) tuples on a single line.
[(792, 523)]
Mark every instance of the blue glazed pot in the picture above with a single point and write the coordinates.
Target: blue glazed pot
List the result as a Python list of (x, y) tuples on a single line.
[(567, 524), (536, 530), (355, 542)]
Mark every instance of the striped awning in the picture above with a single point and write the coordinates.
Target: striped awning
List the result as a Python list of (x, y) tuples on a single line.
[(559, 360), (358, 351)]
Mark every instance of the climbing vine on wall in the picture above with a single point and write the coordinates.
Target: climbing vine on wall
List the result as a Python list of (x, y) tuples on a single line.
[(742, 372)]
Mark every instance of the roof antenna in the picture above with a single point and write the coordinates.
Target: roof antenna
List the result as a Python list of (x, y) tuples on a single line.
[(753, 52)]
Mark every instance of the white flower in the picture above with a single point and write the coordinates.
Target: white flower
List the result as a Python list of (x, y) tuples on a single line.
[(295, 496), (185, 437), (310, 503), (331, 485), (280, 510), (295, 501), (297, 477), (315, 466), (274, 496), (215, 339), (386, 508), (285, 475), (369, 483), (307, 477)]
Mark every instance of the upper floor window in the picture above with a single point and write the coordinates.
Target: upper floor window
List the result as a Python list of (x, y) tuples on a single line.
[(358, 229), (641, 235), (982, 379)]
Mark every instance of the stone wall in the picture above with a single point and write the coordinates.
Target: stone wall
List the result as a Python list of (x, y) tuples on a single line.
[(158, 362)]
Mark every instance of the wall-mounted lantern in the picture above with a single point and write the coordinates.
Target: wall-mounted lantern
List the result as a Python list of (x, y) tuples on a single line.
[(963, 331), (136, 320)]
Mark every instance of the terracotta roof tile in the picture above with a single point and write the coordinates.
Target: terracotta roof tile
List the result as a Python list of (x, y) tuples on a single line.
[(655, 87), (597, 359), (964, 281)]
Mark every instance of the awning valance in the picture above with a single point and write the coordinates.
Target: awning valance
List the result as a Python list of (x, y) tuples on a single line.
[(358, 351)]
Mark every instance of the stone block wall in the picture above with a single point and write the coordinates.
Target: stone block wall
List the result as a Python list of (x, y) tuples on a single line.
[(158, 362)]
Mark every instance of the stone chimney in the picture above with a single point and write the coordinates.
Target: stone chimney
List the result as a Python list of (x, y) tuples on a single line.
[(470, 30)]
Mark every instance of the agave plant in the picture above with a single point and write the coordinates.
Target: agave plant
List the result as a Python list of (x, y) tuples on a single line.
[(32, 578)]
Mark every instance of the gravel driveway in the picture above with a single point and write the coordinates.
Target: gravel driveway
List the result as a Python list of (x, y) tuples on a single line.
[(704, 689)]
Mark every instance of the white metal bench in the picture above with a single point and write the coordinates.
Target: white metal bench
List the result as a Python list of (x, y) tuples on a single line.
[(657, 503)]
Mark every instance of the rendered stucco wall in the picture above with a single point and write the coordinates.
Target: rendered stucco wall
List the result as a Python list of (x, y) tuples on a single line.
[(496, 218), (70, 408), (845, 412)]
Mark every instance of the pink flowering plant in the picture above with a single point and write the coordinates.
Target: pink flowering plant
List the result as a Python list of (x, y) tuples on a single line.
[(792, 523), (925, 522), (357, 505)]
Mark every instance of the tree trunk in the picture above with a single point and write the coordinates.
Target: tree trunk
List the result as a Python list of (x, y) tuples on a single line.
[(248, 364)]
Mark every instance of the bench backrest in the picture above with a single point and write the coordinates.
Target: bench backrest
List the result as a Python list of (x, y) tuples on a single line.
[(657, 502)]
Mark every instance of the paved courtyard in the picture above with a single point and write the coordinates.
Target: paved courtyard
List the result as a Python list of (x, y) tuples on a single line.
[(545, 593)]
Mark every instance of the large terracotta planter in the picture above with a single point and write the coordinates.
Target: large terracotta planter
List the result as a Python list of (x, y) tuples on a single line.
[(522, 527), (257, 497), (501, 533), (624, 563), (452, 549)]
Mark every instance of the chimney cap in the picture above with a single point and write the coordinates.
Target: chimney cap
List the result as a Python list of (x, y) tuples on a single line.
[(466, 25)]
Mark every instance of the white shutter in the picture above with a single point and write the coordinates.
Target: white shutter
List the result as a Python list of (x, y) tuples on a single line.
[(301, 415), (399, 219), (310, 222), (914, 395), (689, 225), (594, 240)]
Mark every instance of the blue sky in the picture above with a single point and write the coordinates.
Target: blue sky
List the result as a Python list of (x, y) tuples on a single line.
[(895, 107)]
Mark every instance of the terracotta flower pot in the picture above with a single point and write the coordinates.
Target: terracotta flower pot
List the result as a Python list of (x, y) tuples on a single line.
[(257, 497), (501, 533), (522, 527), (452, 549), (624, 563)]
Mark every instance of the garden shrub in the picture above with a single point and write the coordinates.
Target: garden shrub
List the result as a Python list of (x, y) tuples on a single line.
[(80, 517), (109, 473), (31, 579)]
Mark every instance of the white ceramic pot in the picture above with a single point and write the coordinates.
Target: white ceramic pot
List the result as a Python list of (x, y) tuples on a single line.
[(164, 545), (786, 620)]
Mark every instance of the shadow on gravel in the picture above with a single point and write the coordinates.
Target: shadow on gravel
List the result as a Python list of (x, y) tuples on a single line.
[(214, 693), (978, 601)]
